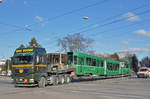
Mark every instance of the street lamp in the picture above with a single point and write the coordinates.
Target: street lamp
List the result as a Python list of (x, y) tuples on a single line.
[(85, 17)]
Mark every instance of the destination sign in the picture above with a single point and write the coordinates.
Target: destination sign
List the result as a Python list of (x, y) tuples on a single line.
[(24, 50)]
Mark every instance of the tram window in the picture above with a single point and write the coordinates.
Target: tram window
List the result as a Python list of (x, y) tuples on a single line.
[(75, 59), (127, 66), (117, 66), (93, 62), (102, 63), (113, 66), (88, 61), (81, 61), (108, 66), (98, 63)]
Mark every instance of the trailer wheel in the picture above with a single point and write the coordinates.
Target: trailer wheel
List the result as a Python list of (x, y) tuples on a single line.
[(56, 80), (62, 79), (67, 79), (42, 82)]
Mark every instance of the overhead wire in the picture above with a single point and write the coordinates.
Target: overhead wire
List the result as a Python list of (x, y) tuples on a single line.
[(55, 17), (73, 11), (114, 21), (112, 17), (119, 28), (118, 15)]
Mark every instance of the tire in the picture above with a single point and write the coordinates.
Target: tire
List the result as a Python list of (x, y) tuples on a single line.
[(67, 79), (56, 80), (42, 82), (62, 79)]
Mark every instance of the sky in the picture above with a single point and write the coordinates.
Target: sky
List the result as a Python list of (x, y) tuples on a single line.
[(114, 25)]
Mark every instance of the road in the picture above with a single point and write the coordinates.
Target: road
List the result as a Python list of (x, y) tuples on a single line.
[(117, 88)]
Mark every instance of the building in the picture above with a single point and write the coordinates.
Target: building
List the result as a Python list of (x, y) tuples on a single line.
[(2, 62)]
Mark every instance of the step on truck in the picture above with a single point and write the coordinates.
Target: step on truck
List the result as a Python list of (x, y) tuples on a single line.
[(32, 66)]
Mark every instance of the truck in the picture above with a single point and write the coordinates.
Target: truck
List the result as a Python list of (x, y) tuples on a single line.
[(32, 66)]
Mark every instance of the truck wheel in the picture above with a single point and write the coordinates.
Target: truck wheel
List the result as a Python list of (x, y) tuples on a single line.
[(67, 79), (56, 80), (62, 79), (42, 82)]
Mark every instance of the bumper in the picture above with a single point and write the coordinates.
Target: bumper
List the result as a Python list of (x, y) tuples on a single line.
[(25, 85), (142, 75), (24, 79)]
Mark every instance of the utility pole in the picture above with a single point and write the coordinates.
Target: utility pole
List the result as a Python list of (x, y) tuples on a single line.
[(8, 66), (60, 53)]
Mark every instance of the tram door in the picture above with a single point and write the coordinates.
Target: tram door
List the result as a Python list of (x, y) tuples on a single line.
[(81, 63), (105, 67)]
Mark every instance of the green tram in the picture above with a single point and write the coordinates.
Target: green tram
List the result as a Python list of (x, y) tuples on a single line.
[(91, 65)]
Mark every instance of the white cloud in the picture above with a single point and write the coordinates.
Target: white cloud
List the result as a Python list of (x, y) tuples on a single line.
[(138, 50), (39, 19), (125, 43), (25, 3), (95, 25), (131, 17), (98, 44), (47, 39), (148, 45), (142, 32)]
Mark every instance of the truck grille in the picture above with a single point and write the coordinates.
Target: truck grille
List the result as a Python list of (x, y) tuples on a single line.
[(24, 71)]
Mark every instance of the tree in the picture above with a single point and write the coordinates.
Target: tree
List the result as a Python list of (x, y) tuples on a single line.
[(145, 62), (132, 58), (134, 63), (75, 42), (6, 66), (114, 56), (21, 46), (33, 42)]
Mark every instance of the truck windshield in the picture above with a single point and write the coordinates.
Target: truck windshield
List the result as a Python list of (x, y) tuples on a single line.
[(143, 70), (22, 60)]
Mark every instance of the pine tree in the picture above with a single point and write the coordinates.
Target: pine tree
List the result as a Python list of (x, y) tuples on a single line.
[(33, 42), (134, 63), (21, 46)]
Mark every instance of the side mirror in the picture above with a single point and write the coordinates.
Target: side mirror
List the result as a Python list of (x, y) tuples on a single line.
[(37, 59)]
